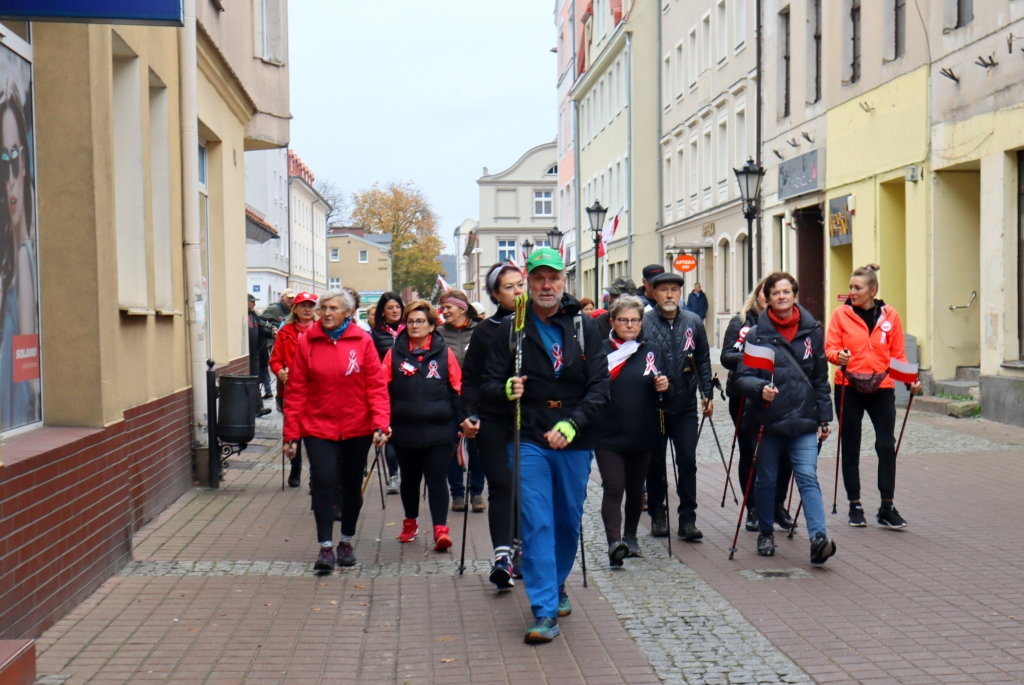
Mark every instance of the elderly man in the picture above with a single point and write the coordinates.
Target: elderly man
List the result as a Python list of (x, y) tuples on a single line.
[(697, 302), (563, 384), (275, 315), (646, 291), (260, 335)]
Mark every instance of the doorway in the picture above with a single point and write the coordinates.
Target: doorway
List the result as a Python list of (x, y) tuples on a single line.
[(892, 211), (810, 258)]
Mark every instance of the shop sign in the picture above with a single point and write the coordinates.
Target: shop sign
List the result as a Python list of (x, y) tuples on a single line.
[(146, 12), (685, 263), (471, 285), (840, 222), (255, 288), (798, 175)]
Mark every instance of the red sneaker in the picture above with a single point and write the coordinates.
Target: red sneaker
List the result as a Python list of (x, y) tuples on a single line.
[(441, 539), (409, 530)]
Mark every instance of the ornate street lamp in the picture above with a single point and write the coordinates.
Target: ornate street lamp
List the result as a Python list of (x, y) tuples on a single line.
[(555, 238), (527, 248), (596, 213), (749, 179)]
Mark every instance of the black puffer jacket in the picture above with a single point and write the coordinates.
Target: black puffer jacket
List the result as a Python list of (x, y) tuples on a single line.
[(803, 402), (630, 422), (473, 370), (425, 407), (671, 336), (579, 393), (383, 339), (732, 346)]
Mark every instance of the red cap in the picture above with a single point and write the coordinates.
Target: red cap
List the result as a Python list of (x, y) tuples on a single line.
[(304, 297)]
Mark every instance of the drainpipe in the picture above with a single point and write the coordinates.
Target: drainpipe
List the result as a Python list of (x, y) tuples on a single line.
[(629, 153), (190, 220), (661, 162), (576, 196), (757, 142)]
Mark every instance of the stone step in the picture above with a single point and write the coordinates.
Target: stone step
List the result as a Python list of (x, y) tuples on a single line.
[(957, 388), (17, 662), (968, 373), (944, 406)]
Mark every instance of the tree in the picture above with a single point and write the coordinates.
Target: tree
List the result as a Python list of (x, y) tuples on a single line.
[(401, 210), (338, 201)]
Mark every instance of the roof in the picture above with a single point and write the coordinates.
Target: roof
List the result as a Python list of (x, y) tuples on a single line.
[(257, 228)]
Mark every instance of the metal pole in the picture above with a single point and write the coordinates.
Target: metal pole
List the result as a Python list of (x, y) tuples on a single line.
[(757, 143), (629, 153), (750, 250), (597, 279), (213, 451)]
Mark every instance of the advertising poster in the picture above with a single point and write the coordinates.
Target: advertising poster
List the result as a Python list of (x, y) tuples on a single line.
[(20, 357)]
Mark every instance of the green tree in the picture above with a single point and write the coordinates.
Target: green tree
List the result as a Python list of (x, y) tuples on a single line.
[(401, 210)]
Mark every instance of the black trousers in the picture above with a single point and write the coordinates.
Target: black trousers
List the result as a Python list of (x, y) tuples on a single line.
[(681, 428), (391, 459), (430, 464), (881, 409), (336, 468), (492, 444), (265, 379), (746, 442), (622, 472)]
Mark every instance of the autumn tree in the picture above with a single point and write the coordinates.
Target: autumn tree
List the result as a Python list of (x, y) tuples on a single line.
[(401, 210)]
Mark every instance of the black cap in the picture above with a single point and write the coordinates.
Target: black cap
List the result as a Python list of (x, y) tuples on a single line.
[(623, 285), (667, 278), (252, 298), (652, 270)]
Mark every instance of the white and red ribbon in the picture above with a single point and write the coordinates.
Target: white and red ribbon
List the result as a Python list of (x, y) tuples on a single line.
[(808, 348), (432, 371), (742, 337), (353, 364), (463, 453), (556, 352), (690, 345), (651, 368)]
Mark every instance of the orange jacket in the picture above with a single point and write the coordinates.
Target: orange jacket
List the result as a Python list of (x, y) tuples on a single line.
[(869, 354)]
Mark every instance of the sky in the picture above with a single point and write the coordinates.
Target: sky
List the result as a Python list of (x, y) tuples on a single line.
[(420, 90)]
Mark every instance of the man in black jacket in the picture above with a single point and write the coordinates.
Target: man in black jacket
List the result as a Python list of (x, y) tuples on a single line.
[(563, 385), (681, 337), (623, 285), (260, 335)]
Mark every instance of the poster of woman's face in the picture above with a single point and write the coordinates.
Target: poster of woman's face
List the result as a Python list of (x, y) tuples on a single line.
[(20, 388)]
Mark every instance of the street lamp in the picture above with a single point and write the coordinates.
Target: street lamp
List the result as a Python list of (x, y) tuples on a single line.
[(596, 213), (527, 248), (749, 178), (555, 238)]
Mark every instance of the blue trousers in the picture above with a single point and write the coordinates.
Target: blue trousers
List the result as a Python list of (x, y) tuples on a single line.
[(553, 486), (457, 475), (803, 454)]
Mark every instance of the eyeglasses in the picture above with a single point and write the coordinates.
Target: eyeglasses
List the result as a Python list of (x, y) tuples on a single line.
[(416, 322), (629, 322), (10, 162)]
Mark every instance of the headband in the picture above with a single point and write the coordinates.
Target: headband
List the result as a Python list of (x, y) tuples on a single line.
[(492, 280), (451, 299)]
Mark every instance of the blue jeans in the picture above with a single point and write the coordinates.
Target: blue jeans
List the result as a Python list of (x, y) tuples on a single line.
[(553, 485), (803, 454), (457, 475)]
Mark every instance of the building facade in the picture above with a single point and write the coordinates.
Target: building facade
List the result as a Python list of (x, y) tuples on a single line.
[(307, 221), (359, 260), (266, 231), (569, 32)]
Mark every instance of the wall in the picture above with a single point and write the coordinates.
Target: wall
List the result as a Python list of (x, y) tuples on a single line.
[(372, 275)]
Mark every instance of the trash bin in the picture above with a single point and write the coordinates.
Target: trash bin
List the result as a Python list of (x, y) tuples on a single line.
[(237, 407)]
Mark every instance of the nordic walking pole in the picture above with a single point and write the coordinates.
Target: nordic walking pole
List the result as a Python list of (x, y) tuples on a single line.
[(583, 554), (711, 421), (465, 514), (910, 403), (380, 477), (518, 326), (746, 491), (283, 465), (792, 482), (839, 440), (366, 481), (732, 451), (799, 506), (664, 479)]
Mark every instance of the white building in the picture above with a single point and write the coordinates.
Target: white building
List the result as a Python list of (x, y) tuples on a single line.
[(266, 224), (307, 212)]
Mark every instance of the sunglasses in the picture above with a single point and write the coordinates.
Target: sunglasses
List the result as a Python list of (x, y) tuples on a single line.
[(10, 162)]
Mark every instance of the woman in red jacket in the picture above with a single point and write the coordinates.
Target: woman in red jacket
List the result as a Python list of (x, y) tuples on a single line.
[(299, 321), (863, 336), (337, 404)]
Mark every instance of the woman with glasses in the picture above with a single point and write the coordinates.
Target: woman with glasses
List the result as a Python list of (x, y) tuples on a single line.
[(629, 427)]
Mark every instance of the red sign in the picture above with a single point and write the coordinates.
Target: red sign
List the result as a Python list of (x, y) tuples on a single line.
[(685, 263), (843, 297), (25, 364)]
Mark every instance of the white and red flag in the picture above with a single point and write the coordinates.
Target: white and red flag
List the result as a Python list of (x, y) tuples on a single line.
[(905, 372), (444, 284), (608, 233), (759, 357)]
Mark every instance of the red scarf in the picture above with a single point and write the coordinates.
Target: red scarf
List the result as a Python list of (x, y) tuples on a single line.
[(615, 365), (787, 328)]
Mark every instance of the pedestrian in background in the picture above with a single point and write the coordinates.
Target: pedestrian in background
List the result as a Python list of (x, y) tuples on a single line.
[(697, 302), (337, 404), (623, 285), (646, 290), (629, 426), (864, 335), (260, 333), (299, 321), (424, 381), (388, 324), (275, 314), (588, 305)]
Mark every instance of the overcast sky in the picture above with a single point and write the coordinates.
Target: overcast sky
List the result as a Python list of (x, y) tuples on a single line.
[(420, 90)]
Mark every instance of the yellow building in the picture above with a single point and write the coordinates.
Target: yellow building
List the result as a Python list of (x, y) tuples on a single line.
[(359, 260)]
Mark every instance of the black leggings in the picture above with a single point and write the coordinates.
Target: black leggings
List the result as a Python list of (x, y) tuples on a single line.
[(430, 463), (622, 472), (746, 442), (391, 459), (336, 469), (881, 408), (492, 442)]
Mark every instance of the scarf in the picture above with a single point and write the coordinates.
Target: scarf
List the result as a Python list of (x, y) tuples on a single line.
[(303, 327), (336, 333), (622, 350), (393, 331), (787, 328)]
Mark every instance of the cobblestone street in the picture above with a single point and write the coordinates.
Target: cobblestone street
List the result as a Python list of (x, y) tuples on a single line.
[(220, 591)]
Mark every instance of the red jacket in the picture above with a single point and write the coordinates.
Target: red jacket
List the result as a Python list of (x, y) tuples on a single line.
[(869, 354), (284, 347), (336, 390)]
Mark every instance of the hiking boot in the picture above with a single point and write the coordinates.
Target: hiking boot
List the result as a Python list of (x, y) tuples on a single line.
[(752, 525), (458, 504), (478, 503), (393, 485), (888, 517), (564, 605), (617, 551), (689, 532), (633, 544), (501, 573), (346, 555), (766, 545), (543, 630), (857, 516), (821, 549), (659, 524), (409, 530), (295, 475), (441, 539), (782, 518), (263, 412), (517, 563), (325, 562)]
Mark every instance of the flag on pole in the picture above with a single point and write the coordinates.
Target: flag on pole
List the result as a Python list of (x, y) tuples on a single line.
[(608, 232), (463, 453), (904, 372), (444, 284), (759, 357)]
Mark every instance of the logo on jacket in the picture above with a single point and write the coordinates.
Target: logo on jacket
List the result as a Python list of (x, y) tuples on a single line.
[(743, 336), (556, 352), (808, 348), (690, 345), (651, 368), (432, 370), (353, 365)]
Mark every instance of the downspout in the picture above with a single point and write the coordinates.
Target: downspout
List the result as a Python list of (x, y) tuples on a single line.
[(196, 297), (629, 154), (661, 162), (576, 196), (757, 138)]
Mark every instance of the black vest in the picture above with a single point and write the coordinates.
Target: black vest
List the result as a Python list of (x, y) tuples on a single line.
[(422, 413)]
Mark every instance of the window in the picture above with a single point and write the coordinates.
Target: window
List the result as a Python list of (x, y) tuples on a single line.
[(723, 150), (723, 33), (542, 204), (364, 256), (160, 175), (964, 12), (740, 22), (693, 57), (269, 30), (680, 83), (707, 170), (666, 80), (741, 137), (552, 170), (899, 22), (784, 63), (814, 48), (507, 251), (334, 254), (855, 41), (618, 86), (541, 242), (705, 37), (667, 191), (680, 175), (334, 283), (694, 168)]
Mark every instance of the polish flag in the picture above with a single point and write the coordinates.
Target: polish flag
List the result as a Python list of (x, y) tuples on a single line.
[(759, 357), (904, 372), (608, 233), (444, 284)]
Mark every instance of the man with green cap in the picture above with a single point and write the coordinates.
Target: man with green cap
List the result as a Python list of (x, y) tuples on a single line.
[(563, 384)]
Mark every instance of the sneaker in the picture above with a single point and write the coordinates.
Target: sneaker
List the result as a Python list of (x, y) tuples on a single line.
[(821, 549), (458, 504), (409, 530), (393, 485), (752, 525), (782, 518), (888, 517), (517, 563), (659, 524), (263, 412), (501, 573), (564, 605), (325, 562), (346, 555), (633, 545), (268, 395), (857, 516), (478, 503), (689, 532), (543, 630), (441, 539), (617, 551), (295, 475), (766, 545)]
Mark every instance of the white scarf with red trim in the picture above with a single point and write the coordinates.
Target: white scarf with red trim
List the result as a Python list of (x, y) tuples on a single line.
[(620, 354)]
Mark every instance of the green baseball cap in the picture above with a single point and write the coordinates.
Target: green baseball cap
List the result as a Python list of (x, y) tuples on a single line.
[(545, 256)]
